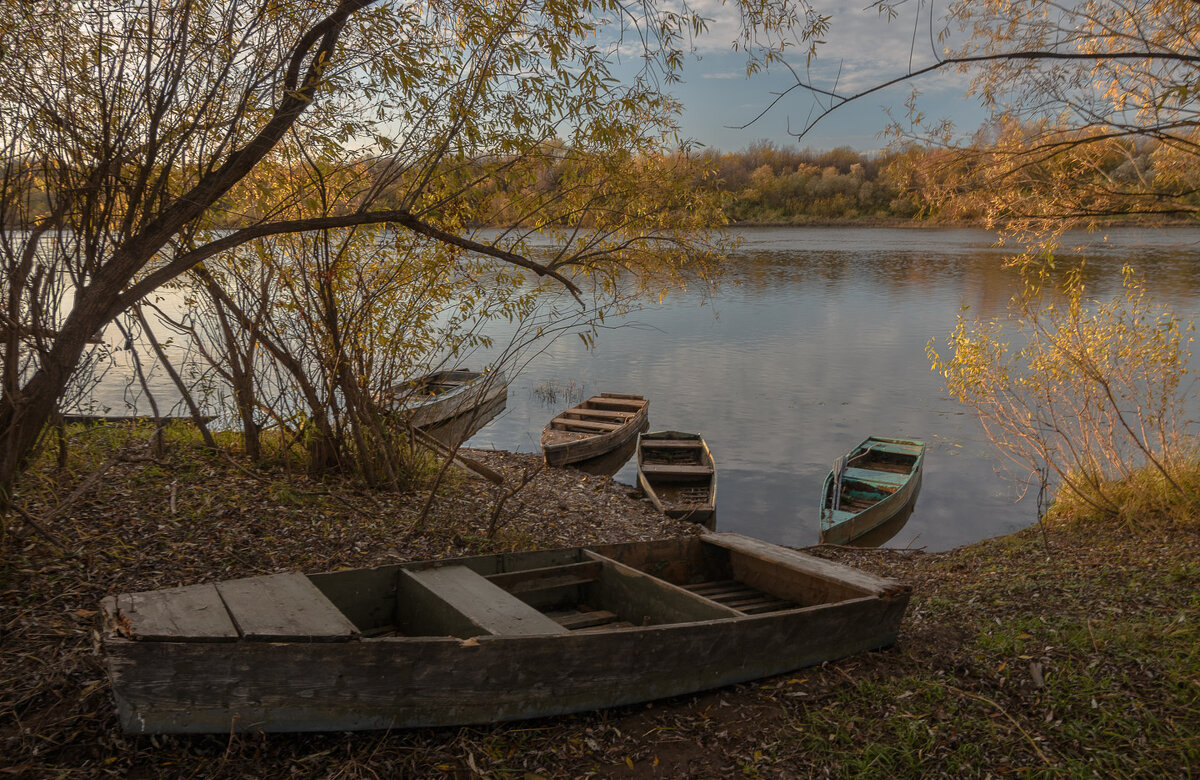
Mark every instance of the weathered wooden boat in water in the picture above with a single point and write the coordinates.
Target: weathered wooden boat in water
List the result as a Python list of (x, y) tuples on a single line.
[(441, 398), (484, 639), (677, 473), (598, 425), (868, 486)]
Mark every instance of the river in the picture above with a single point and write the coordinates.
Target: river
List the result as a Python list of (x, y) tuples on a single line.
[(815, 340)]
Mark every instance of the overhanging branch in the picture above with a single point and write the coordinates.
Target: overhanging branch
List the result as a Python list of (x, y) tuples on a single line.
[(183, 262), (842, 99)]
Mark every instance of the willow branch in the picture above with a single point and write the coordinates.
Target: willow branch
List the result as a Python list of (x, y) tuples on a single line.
[(188, 260)]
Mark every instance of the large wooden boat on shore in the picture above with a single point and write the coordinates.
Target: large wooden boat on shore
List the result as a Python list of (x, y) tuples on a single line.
[(484, 639), (598, 425)]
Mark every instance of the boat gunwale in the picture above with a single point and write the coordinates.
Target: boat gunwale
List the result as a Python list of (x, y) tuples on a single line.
[(509, 638), (885, 588)]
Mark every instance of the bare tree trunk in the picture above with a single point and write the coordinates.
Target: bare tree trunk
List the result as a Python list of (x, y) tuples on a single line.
[(161, 354), (158, 445), (241, 373)]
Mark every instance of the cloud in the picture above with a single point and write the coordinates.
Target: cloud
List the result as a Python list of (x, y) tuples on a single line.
[(862, 47)]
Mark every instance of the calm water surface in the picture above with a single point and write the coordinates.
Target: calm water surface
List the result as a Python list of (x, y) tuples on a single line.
[(816, 341), (820, 343)]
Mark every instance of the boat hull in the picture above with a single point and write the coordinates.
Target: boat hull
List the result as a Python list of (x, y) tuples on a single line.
[(386, 682), (402, 683)]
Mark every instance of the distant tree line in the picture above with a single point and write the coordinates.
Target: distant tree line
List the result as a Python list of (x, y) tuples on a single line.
[(769, 184), (766, 183)]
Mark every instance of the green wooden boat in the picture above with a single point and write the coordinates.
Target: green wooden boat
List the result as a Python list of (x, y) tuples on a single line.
[(868, 486)]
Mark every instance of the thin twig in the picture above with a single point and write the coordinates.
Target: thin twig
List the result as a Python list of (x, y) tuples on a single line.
[(33, 523), (1004, 712)]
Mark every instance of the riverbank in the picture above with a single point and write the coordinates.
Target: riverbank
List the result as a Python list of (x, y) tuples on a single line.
[(1069, 651)]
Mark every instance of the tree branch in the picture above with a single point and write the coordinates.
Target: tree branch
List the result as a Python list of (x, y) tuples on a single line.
[(842, 100), (190, 259)]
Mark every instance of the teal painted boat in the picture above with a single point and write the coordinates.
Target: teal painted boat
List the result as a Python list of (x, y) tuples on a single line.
[(868, 486)]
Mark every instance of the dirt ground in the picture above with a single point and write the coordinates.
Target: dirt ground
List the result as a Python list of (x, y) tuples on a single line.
[(990, 676)]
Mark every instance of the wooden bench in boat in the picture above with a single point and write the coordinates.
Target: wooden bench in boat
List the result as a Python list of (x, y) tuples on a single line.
[(602, 413), (593, 425), (279, 607), (464, 603), (870, 476), (672, 444), (675, 470), (617, 403), (895, 447), (547, 578)]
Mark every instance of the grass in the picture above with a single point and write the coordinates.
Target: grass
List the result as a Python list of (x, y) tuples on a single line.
[(554, 393), (1070, 664), (1147, 501)]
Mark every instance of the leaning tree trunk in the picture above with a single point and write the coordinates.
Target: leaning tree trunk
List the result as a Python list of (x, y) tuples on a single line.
[(25, 412)]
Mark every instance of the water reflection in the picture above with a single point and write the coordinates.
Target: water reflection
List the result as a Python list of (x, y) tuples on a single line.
[(458, 429), (612, 461), (816, 340)]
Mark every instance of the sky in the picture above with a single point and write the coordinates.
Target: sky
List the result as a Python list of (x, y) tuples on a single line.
[(861, 49)]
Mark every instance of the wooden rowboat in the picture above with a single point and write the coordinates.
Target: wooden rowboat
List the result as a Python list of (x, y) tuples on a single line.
[(438, 399), (868, 486), (594, 427), (484, 639), (677, 473)]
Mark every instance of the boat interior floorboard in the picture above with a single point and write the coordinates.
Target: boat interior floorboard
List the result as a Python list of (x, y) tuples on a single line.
[(583, 617), (740, 596)]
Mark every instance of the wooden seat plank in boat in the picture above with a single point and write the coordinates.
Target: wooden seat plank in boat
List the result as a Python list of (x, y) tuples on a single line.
[(875, 477), (601, 413), (588, 425), (900, 448), (672, 444), (284, 607), (486, 605), (604, 400), (548, 577), (191, 614), (676, 470)]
